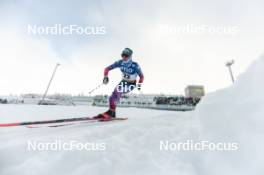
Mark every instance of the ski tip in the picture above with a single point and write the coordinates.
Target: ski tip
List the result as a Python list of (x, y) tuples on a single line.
[(8, 124)]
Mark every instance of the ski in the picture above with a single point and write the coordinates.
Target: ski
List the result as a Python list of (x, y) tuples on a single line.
[(67, 120), (57, 125), (75, 123)]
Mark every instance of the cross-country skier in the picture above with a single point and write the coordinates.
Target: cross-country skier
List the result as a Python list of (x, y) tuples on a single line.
[(130, 71)]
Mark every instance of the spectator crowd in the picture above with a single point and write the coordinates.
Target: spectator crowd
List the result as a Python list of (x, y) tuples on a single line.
[(3, 101), (177, 100)]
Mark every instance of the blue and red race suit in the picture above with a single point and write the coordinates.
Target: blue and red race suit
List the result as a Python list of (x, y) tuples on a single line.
[(130, 70)]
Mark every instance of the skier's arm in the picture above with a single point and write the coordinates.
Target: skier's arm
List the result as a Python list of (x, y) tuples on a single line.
[(140, 74), (107, 69), (141, 77), (112, 66)]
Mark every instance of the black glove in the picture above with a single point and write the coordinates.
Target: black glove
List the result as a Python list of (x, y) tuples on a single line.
[(106, 80), (139, 86)]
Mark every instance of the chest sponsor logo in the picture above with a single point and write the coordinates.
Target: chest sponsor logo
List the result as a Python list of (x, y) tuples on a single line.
[(127, 70)]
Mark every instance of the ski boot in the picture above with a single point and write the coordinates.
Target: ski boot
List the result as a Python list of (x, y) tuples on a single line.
[(108, 115)]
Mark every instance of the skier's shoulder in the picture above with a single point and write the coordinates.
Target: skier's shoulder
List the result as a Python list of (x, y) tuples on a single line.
[(115, 65), (137, 67), (122, 62), (135, 64), (118, 62)]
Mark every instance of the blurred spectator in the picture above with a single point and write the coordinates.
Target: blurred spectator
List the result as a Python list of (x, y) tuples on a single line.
[(177, 100), (3, 101)]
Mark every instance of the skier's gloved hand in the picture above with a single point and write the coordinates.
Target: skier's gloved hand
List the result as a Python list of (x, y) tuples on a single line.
[(139, 86), (106, 80)]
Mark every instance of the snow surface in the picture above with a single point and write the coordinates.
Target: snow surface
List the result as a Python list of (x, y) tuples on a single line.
[(234, 114), (132, 146)]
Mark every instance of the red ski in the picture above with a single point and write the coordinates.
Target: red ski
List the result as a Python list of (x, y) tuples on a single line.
[(75, 123), (58, 121)]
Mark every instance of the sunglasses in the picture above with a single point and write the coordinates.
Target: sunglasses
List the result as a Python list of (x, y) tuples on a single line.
[(124, 55)]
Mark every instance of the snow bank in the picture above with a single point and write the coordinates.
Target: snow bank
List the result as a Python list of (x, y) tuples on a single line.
[(235, 114)]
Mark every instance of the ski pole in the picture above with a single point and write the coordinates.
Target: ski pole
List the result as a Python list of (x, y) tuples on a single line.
[(97, 87)]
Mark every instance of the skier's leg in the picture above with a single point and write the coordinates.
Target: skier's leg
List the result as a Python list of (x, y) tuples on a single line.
[(115, 96), (114, 99), (122, 88)]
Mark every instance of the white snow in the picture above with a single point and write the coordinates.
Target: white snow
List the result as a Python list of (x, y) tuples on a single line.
[(234, 114), (132, 146)]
